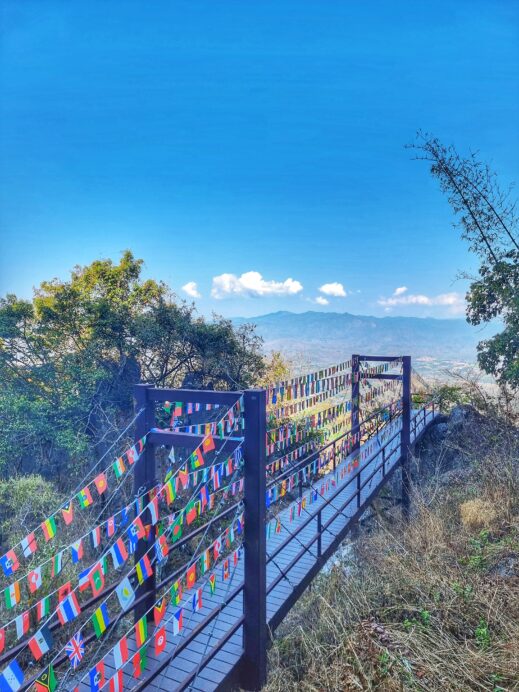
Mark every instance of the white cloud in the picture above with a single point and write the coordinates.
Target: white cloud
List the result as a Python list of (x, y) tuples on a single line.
[(399, 291), (454, 302), (191, 289), (252, 284), (321, 300), (334, 289)]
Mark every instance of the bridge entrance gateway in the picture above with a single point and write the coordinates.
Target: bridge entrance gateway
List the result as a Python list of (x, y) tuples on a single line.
[(240, 500)]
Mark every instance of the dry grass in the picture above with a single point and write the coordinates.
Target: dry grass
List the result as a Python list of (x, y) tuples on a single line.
[(433, 605)]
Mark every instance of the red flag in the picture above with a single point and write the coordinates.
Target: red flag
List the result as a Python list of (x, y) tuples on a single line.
[(191, 576), (64, 591), (159, 611), (100, 483), (160, 641)]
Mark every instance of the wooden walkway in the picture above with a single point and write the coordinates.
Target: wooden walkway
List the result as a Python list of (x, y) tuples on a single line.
[(288, 574)]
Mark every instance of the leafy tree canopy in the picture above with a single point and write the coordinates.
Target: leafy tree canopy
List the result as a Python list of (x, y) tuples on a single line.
[(70, 357)]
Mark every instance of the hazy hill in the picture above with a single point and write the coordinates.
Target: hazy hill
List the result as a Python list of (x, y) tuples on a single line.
[(328, 335)]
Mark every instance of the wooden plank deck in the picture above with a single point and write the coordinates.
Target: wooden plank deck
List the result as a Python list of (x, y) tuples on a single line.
[(212, 675)]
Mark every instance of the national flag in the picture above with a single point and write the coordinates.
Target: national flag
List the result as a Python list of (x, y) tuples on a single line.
[(177, 411), (22, 624), (96, 579), (132, 455), (95, 536), (141, 631), (169, 490), (215, 476), (176, 592), (46, 682), (117, 682), (191, 576), (197, 600), (100, 483), (153, 509), (34, 579), (197, 459), (177, 621), (29, 545), (208, 444), (75, 650), (120, 652), (111, 526), (140, 662), (84, 497), (2, 639), (42, 608), (161, 548), (191, 511), (183, 477), (12, 594), (205, 561), (176, 528), (160, 641), (11, 678), (119, 467), (41, 643), (159, 610), (49, 528), (100, 620), (9, 563), (68, 609), (136, 531), (143, 569), (97, 677), (217, 546), (119, 553), (57, 564), (225, 570), (67, 512), (64, 590), (76, 550), (83, 580), (212, 583), (125, 593), (203, 497)]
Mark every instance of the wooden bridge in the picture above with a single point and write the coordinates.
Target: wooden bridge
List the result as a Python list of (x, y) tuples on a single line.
[(287, 519)]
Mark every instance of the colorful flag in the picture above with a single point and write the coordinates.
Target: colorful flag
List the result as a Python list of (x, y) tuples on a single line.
[(97, 677), (169, 489), (119, 467), (197, 600), (136, 530), (191, 511), (177, 621), (41, 643), (225, 570), (57, 564), (96, 579), (141, 631), (140, 661), (12, 595), (11, 678), (160, 641), (34, 579), (42, 608), (64, 591), (197, 459), (205, 561), (143, 569), (159, 610), (176, 592), (119, 553), (68, 609), (176, 528), (208, 444), (22, 624), (29, 545), (212, 583), (83, 579), (120, 652), (117, 682), (100, 620), (67, 512), (95, 535), (125, 593), (76, 550), (161, 548), (75, 650), (9, 563), (111, 526), (191, 576), (100, 483), (84, 497), (153, 508), (183, 477), (46, 682), (49, 528), (217, 546)]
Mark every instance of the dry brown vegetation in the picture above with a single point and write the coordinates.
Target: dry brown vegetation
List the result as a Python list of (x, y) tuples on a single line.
[(432, 605)]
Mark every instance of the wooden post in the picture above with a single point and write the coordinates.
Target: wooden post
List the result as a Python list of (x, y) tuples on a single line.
[(143, 480), (406, 436), (254, 669), (355, 401)]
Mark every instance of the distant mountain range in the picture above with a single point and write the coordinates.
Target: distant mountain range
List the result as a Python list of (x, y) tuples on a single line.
[(322, 337)]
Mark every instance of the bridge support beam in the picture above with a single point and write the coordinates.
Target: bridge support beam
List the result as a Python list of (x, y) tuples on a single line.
[(253, 674), (143, 480), (406, 436)]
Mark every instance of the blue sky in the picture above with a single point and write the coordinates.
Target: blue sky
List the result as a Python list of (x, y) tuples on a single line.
[(224, 138)]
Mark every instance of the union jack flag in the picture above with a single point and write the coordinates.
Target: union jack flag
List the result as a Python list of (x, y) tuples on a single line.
[(75, 650)]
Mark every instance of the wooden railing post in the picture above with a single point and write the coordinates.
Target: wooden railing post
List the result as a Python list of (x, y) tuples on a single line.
[(406, 435), (253, 674), (143, 480)]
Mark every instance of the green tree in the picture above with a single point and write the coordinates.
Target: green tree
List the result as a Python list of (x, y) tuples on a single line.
[(486, 216), (70, 357)]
